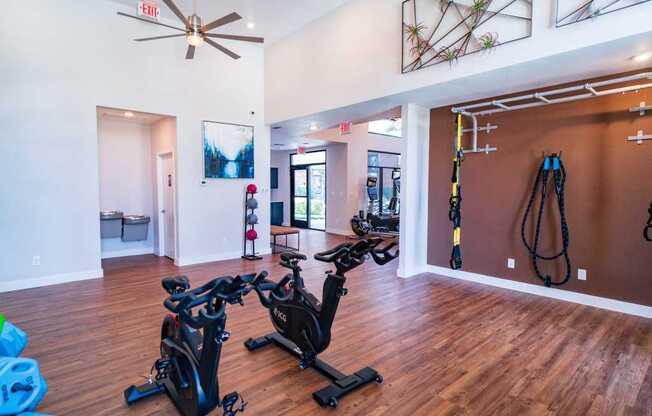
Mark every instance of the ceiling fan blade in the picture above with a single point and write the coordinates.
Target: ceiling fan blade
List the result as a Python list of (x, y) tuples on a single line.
[(150, 21), (176, 11), (236, 37), (190, 54), (229, 18), (158, 37), (222, 48)]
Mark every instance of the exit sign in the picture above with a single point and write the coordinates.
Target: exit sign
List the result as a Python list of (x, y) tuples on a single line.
[(346, 128), (149, 9)]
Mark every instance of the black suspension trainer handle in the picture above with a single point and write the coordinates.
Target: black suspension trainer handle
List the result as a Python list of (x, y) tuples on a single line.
[(647, 231)]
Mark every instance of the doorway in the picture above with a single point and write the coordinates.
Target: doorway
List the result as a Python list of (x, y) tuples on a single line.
[(308, 190), (136, 158), (166, 214)]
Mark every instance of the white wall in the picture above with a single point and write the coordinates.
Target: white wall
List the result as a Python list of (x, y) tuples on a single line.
[(126, 178), (355, 54), (53, 78)]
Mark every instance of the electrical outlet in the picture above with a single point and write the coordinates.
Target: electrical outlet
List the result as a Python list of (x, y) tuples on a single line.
[(581, 274), (511, 263), (36, 261)]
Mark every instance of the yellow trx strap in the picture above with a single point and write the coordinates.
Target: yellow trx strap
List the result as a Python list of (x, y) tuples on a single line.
[(455, 210)]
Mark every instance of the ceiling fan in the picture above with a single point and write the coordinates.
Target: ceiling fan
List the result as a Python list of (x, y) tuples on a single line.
[(195, 32)]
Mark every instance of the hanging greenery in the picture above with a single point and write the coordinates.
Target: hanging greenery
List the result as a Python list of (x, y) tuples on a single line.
[(488, 40)]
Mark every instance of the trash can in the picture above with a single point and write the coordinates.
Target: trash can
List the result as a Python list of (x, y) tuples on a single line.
[(134, 227), (110, 224)]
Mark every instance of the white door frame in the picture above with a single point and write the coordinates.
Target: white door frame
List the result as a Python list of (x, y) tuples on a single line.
[(160, 184)]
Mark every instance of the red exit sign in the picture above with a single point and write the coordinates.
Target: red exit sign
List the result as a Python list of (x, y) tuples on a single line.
[(346, 128), (149, 9)]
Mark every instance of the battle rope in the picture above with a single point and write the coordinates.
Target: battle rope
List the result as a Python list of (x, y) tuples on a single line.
[(550, 163), (455, 210), (648, 228)]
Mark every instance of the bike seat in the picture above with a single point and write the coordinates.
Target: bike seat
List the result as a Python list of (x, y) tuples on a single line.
[(173, 284), (290, 256)]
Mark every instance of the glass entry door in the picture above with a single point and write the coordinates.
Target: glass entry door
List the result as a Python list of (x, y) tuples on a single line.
[(299, 179), (308, 187), (317, 193)]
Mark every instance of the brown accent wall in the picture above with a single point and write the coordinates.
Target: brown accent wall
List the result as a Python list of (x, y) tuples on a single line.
[(609, 190)]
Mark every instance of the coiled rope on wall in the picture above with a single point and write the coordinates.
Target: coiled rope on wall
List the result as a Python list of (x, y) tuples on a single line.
[(552, 173)]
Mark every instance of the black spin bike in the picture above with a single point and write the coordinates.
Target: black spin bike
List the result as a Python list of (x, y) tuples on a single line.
[(191, 345), (303, 324)]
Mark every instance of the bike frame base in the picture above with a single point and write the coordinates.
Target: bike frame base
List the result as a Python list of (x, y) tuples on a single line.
[(341, 384), (136, 393)]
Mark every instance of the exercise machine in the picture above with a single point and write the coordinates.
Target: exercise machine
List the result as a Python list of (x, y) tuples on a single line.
[(375, 222), (647, 231), (303, 324), (551, 174), (191, 345)]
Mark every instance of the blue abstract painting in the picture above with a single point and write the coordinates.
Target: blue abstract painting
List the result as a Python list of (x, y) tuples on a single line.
[(228, 151)]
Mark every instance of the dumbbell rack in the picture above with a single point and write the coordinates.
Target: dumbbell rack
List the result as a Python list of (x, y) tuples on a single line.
[(252, 255)]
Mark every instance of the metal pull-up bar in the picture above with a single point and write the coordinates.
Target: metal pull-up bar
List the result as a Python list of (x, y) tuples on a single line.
[(548, 97), (556, 96)]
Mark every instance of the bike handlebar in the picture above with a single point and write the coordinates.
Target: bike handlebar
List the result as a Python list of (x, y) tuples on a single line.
[(348, 256), (225, 289)]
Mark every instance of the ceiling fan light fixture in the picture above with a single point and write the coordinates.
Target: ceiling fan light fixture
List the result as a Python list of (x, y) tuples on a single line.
[(195, 39)]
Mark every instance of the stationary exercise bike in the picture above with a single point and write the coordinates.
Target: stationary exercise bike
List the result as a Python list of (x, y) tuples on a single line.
[(303, 324), (375, 223), (191, 345)]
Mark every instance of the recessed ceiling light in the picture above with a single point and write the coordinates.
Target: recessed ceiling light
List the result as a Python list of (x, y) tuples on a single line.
[(314, 126), (251, 25), (642, 57), (129, 114)]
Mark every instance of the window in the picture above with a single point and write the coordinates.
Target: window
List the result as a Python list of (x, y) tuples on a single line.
[(308, 158), (385, 168), (388, 127)]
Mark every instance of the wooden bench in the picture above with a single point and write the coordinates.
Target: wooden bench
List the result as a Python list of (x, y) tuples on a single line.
[(285, 231)]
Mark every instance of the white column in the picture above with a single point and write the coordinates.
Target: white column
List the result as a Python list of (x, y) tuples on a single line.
[(414, 190)]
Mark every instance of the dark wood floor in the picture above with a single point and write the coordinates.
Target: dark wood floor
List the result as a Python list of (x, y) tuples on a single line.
[(445, 347)]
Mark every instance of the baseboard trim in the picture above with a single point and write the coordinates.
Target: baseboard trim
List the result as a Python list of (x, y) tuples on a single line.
[(54, 279), (565, 295), (190, 261), (126, 253)]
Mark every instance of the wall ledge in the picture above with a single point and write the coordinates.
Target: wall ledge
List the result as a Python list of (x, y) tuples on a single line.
[(54, 279), (565, 295), (189, 261)]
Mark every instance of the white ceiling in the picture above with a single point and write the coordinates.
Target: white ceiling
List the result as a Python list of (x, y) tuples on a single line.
[(274, 19)]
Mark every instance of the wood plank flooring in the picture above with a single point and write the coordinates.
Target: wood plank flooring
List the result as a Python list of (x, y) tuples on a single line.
[(445, 347)]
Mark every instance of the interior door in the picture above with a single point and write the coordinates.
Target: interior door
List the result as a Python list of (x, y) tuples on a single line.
[(167, 208), (299, 198)]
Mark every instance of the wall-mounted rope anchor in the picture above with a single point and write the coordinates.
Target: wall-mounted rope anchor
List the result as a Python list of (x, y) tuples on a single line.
[(640, 137), (641, 109), (475, 129)]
